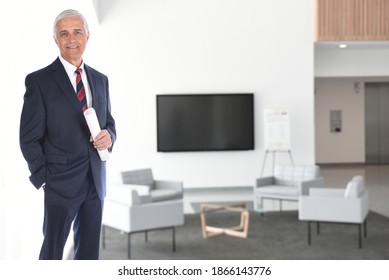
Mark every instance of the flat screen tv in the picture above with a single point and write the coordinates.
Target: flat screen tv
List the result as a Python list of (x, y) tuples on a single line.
[(205, 122)]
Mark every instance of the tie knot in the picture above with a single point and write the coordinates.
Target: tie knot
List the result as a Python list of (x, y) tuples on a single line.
[(78, 71)]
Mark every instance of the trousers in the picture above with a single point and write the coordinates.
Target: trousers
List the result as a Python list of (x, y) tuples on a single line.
[(83, 210)]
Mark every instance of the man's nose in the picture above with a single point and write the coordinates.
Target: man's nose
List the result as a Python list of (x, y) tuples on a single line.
[(71, 37)]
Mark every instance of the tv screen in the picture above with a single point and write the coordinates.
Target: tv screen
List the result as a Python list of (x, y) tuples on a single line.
[(205, 122)]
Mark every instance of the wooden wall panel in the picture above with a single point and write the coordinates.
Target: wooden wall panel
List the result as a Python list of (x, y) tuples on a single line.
[(352, 20)]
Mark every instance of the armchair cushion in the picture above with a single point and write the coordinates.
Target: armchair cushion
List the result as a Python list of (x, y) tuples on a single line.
[(278, 190), (164, 194)]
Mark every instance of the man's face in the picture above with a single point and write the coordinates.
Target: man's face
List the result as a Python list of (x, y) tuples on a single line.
[(71, 39)]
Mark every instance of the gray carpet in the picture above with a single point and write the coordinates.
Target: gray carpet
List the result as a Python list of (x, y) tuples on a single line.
[(274, 236)]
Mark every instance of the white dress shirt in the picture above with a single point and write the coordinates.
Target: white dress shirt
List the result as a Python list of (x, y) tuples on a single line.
[(70, 70)]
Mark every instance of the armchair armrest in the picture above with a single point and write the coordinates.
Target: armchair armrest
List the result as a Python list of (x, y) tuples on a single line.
[(156, 215), (326, 192), (125, 194), (141, 189), (306, 185), (176, 185), (264, 181), (333, 209)]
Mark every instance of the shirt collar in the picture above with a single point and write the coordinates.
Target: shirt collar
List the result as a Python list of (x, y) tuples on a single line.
[(70, 68)]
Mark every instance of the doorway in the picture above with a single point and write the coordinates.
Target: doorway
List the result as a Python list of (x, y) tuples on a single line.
[(377, 123)]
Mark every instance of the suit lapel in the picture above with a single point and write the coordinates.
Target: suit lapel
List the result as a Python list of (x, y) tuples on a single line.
[(92, 85), (62, 79), (64, 83)]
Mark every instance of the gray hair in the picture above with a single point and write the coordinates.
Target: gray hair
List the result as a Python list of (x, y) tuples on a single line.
[(69, 13)]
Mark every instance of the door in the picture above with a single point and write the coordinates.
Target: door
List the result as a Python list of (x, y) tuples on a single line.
[(377, 123)]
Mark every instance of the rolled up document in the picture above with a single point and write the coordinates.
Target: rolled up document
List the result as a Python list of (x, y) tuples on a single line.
[(94, 128)]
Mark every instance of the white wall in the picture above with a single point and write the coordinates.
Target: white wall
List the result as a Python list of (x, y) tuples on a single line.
[(356, 61), (148, 47), (336, 71), (347, 146), (200, 47), (340, 94)]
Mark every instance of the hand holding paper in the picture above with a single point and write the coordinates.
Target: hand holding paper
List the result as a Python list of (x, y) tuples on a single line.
[(94, 128)]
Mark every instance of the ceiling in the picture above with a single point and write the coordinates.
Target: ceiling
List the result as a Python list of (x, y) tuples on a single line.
[(357, 45)]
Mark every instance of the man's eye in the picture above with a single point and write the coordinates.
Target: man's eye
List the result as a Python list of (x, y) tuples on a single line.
[(63, 34)]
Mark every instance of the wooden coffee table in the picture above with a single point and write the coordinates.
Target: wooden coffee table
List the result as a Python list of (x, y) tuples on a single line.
[(240, 230)]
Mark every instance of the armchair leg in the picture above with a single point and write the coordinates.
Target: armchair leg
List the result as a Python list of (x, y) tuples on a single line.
[(262, 210), (365, 228), (361, 228), (174, 239), (103, 236), (146, 236), (129, 245)]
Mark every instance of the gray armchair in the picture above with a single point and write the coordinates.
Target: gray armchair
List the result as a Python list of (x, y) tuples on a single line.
[(142, 204), (128, 211), (289, 182), (158, 190), (336, 205)]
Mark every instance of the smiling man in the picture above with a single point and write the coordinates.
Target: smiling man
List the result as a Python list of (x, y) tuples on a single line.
[(71, 35), (55, 141)]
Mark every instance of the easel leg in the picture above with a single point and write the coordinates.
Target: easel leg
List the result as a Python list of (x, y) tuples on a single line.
[(274, 160), (264, 162), (290, 156)]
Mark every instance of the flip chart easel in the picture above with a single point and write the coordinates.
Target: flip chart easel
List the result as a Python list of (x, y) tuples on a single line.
[(277, 135)]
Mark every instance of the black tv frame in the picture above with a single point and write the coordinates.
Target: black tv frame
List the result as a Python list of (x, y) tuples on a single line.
[(249, 127)]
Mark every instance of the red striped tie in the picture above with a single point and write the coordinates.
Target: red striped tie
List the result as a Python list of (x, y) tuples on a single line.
[(80, 90)]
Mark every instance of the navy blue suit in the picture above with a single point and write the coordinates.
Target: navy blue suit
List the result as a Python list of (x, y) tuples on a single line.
[(54, 139)]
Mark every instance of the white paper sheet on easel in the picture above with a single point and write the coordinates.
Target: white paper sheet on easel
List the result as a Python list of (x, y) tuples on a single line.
[(94, 128), (277, 130)]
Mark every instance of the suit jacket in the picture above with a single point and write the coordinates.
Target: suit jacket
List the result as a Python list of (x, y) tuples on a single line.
[(54, 137)]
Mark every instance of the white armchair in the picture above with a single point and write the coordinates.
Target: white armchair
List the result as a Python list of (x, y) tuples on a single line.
[(289, 182), (129, 212), (332, 205)]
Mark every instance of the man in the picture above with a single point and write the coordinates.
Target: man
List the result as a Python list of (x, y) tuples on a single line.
[(57, 145)]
